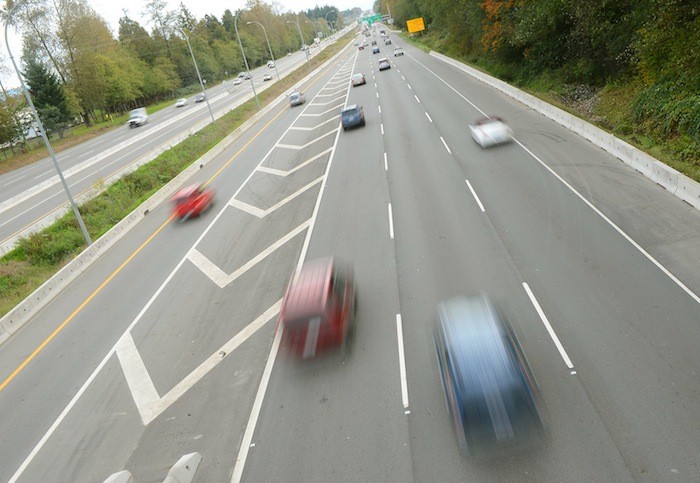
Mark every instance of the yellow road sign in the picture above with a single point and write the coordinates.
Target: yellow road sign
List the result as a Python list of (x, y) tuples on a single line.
[(415, 25)]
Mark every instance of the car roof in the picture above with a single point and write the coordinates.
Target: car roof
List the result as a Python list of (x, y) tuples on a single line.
[(475, 338), (351, 107), (186, 191), (308, 294), (383, 59), (359, 74)]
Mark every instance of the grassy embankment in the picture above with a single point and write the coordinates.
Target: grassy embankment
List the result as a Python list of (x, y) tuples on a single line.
[(609, 107), (37, 257)]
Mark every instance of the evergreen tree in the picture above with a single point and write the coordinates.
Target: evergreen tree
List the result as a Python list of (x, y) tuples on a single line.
[(48, 97)]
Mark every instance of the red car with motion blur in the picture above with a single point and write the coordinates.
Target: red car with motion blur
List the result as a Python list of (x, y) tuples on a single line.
[(192, 200), (318, 310)]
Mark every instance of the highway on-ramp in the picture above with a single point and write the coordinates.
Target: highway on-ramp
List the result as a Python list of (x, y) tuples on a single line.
[(178, 351)]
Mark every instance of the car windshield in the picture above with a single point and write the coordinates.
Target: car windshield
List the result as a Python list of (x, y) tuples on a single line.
[(137, 113)]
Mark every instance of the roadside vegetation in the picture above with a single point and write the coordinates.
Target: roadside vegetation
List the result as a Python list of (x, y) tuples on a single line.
[(37, 257), (631, 67), (79, 71)]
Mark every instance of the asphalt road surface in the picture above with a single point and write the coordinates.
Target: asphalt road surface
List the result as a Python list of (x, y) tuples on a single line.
[(168, 344), (32, 196)]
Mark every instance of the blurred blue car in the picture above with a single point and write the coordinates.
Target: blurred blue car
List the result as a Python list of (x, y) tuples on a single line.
[(352, 116), (490, 391)]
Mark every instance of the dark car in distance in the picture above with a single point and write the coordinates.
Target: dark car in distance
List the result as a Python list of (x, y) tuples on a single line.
[(491, 393), (375, 50), (352, 116), (200, 98)]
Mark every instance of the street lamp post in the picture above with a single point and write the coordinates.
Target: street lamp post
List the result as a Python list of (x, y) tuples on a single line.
[(308, 60), (313, 25), (86, 235), (245, 61), (272, 57), (201, 84), (328, 21)]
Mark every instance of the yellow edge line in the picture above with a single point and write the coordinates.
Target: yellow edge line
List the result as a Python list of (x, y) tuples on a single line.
[(80, 307)]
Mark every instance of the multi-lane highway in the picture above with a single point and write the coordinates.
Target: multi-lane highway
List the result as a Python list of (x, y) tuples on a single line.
[(32, 197), (168, 344)]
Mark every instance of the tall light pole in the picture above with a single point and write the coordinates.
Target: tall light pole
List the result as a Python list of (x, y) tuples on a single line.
[(328, 21), (308, 60), (201, 84), (8, 15), (245, 61), (272, 57), (313, 25)]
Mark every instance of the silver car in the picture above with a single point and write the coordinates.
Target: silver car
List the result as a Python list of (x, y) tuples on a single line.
[(296, 99)]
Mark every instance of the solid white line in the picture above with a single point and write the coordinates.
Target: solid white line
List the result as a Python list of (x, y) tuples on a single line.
[(548, 326), (386, 163), (475, 196), (428, 116), (260, 395), (382, 127), (391, 223), (446, 146), (614, 226), (687, 290), (417, 99), (402, 362)]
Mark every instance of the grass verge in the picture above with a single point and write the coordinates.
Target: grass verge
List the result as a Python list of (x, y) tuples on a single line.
[(37, 257)]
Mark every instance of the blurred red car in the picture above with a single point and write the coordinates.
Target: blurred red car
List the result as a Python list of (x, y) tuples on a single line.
[(192, 201), (318, 308)]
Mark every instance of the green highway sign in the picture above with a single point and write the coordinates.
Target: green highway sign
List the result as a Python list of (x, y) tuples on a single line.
[(372, 18)]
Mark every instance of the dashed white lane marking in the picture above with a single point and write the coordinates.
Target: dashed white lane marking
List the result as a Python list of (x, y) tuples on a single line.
[(475, 196), (386, 163), (548, 326), (43, 174), (445, 144), (382, 128), (428, 116), (402, 363), (402, 76), (380, 109), (636, 245), (417, 99), (409, 86), (377, 95), (391, 223)]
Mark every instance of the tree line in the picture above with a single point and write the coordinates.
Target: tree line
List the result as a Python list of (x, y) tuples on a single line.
[(78, 70), (652, 45)]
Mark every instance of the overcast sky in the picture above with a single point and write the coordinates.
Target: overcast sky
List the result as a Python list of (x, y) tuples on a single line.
[(113, 10)]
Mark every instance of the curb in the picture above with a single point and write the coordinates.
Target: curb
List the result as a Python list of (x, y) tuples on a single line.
[(22, 313), (668, 178)]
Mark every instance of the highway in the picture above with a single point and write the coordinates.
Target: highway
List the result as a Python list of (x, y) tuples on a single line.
[(32, 197), (168, 343)]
